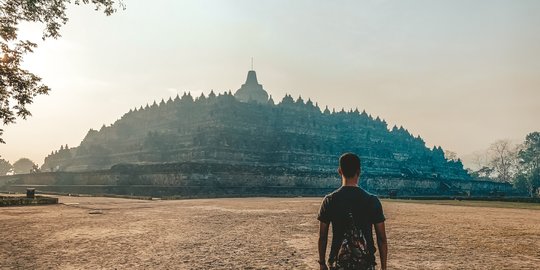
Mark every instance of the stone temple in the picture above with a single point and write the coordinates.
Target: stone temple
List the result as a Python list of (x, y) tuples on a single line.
[(247, 144), (248, 128)]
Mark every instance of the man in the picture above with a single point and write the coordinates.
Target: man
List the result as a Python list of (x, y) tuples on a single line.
[(366, 211)]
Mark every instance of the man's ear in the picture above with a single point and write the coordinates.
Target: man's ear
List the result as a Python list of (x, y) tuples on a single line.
[(358, 173), (339, 171)]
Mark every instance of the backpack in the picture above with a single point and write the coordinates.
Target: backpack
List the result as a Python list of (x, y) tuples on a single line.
[(353, 252)]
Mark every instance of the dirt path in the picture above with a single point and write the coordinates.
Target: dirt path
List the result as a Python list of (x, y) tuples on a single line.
[(253, 233)]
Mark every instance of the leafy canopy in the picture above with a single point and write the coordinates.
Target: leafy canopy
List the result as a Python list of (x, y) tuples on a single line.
[(530, 154), (23, 165), (5, 166), (18, 86), (530, 161)]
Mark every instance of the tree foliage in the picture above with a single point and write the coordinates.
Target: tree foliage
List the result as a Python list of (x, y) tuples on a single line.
[(450, 155), (530, 154), (5, 166), (23, 165), (517, 164), (529, 157), (484, 173), (18, 86)]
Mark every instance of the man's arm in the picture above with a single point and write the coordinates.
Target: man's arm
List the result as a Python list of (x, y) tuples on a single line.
[(381, 243), (323, 239)]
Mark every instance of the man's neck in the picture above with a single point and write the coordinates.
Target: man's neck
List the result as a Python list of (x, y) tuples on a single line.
[(349, 182)]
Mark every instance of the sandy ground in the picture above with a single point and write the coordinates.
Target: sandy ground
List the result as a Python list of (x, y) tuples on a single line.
[(253, 233)]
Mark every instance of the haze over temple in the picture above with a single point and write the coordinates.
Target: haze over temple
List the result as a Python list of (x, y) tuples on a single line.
[(247, 145), (248, 128)]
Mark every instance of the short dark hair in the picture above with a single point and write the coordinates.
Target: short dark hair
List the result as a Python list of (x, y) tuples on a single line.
[(349, 164)]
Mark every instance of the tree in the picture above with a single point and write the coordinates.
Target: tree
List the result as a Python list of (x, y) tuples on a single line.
[(23, 165), (450, 155), (5, 166), (484, 173), (18, 86), (503, 159), (529, 157), (530, 154), (35, 169), (521, 182), (479, 159)]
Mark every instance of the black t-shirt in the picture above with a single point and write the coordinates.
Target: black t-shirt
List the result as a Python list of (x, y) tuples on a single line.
[(366, 209)]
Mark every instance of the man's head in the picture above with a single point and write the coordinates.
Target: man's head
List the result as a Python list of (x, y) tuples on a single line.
[(349, 166)]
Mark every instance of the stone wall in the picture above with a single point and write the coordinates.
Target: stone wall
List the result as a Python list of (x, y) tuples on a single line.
[(436, 187), (218, 180)]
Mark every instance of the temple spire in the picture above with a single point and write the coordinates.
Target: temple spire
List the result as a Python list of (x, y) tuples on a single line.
[(251, 90), (251, 79)]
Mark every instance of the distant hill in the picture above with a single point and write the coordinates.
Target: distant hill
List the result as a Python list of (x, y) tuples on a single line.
[(249, 128)]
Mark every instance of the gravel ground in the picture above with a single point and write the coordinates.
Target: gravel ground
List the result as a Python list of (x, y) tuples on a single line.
[(253, 233)]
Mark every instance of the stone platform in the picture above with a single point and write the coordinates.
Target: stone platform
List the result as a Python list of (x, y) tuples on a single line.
[(19, 200), (203, 180)]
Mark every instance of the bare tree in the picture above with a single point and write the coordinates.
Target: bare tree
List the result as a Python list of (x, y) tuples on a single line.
[(479, 159), (450, 155), (503, 159)]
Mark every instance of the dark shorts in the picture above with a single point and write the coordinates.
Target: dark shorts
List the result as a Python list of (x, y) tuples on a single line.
[(332, 266)]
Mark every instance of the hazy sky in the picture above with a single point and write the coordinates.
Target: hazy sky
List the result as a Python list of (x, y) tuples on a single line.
[(462, 74)]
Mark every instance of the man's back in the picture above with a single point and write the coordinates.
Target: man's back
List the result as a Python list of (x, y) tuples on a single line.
[(366, 210)]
